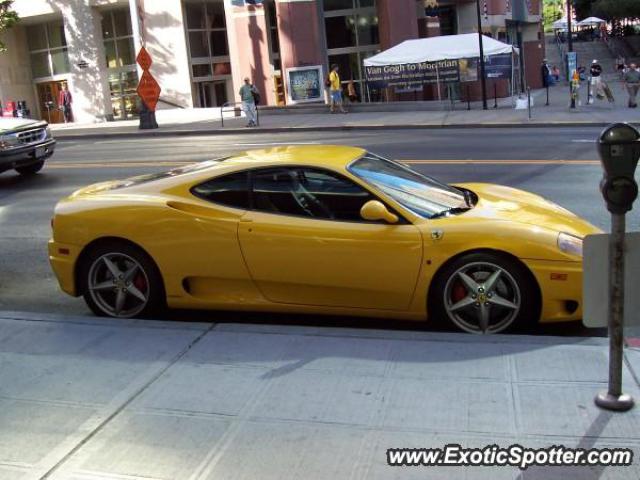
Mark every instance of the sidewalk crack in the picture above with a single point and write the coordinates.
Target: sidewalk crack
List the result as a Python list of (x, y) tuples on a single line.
[(125, 404)]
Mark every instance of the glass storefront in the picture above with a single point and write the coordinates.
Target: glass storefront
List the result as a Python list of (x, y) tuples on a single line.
[(208, 51), (351, 28), (48, 50), (120, 58)]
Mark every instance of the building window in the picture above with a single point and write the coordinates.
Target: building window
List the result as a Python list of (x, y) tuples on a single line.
[(48, 49), (274, 39), (351, 29), (121, 61), (118, 38), (208, 51), (207, 29)]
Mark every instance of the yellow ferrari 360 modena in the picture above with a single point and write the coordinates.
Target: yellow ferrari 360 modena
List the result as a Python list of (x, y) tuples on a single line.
[(321, 230)]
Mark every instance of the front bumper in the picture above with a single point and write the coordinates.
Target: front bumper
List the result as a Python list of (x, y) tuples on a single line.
[(561, 288), (24, 155), (62, 258)]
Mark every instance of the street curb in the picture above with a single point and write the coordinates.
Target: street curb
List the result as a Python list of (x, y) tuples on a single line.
[(60, 136), (417, 335)]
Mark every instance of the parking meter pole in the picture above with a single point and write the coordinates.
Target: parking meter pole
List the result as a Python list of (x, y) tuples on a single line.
[(619, 149), (614, 399), (547, 104), (529, 101)]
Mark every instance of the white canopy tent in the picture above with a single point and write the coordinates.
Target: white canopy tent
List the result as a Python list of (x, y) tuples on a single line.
[(433, 49), (560, 24), (591, 21)]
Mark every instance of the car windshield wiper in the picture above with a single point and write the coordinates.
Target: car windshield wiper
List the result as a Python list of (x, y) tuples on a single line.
[(450, 211)]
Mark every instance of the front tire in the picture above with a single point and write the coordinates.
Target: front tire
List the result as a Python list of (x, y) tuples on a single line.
[(121, 281), (485, 293), (31, 169)]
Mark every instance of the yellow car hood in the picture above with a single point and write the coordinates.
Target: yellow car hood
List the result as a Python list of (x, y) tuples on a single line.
[(497, 202)]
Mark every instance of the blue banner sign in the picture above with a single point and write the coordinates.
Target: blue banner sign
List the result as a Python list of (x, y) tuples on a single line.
[(572, 64)]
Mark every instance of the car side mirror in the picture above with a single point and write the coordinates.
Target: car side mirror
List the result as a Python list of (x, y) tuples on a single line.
[(374, 211)]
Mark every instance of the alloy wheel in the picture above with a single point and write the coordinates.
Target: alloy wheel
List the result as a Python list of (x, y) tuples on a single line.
[(118, 285), (482, 297)]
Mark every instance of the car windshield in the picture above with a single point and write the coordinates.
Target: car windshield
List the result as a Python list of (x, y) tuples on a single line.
[(422, 195)]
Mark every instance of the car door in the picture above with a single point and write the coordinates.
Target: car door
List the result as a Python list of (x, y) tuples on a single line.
[(305, 243)]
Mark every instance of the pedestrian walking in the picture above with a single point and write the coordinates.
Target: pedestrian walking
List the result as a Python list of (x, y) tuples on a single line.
[(248, 93), (596, 81), (545, 71), (65, 100), (620, 65), (335, 90), (632, 82)]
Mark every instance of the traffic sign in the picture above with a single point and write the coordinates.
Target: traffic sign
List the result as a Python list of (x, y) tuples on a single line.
[(148, 90), (144, 59)]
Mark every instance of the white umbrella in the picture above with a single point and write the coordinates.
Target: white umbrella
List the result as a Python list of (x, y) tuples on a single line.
[(560, 24), (591, 21)]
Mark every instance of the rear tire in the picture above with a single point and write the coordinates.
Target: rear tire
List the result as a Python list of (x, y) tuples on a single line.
[(485, 293), (31, 169), (120, 280)]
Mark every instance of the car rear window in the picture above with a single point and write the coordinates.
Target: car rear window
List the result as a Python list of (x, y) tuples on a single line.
[(152, 177)]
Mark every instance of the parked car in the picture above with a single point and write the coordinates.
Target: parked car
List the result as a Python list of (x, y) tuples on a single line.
[(323, 230), (25, 144)]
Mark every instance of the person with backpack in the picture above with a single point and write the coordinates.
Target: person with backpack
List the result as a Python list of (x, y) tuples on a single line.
[(250, 97)]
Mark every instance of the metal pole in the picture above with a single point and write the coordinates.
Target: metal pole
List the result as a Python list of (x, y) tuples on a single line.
[(495, 94), (438, 81), (483, 82), (547, 104), (529, 101), (614, 399), (468, 99), (569, 39), (570, 44)]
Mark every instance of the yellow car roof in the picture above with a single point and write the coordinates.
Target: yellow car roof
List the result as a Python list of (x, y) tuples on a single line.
[(335, 156)]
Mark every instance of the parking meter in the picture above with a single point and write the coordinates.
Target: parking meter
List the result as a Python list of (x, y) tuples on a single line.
[(619, 148)]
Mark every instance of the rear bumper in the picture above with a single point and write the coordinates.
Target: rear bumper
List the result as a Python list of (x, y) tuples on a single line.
[(23, 156), (62, 258), (561, 288)]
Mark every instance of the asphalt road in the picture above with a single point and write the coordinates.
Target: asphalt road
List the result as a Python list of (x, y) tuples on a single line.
[(558, 163)]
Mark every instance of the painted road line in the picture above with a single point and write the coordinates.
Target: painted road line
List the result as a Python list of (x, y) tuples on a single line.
[(80, 165), (502, 162), (150, 164)]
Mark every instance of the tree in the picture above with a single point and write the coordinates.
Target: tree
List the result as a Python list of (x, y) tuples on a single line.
[(552, 11), (8, 18)]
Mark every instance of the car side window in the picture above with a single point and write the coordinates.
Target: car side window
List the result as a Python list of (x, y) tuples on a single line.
[(308, 192), (230, 190)]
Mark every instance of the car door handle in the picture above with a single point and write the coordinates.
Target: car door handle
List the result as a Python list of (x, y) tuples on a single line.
[(246, 220)]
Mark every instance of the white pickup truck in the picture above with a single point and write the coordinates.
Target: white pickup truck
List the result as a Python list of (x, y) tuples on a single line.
[(24, 144)]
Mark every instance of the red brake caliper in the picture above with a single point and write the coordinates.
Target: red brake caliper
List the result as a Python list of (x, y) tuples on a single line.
[(140, 282), (458, 292)]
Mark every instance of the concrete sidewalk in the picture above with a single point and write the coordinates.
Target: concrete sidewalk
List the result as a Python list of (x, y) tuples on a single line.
[(375, 116), (90, 398)]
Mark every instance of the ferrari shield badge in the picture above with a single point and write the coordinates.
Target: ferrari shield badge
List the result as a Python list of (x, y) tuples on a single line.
[(437, 235)]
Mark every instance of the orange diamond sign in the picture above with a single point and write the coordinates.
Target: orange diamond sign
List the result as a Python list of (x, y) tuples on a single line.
[(144, 59), (149, 90)]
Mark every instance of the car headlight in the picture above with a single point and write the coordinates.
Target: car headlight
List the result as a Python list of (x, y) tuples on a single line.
[(570, 244), (8, 141), (48, 131)]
